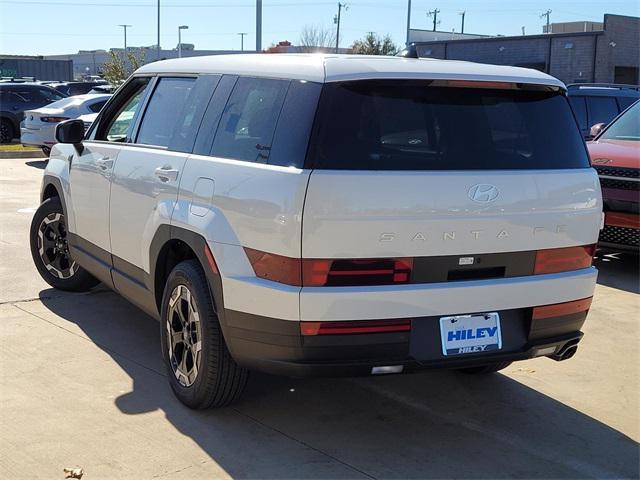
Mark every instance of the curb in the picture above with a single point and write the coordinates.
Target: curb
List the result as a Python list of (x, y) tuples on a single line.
[(33, 154)]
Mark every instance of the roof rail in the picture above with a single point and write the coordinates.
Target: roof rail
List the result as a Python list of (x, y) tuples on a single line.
[(619, 86)]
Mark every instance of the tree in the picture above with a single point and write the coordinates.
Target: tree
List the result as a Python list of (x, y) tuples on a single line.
[(372, 44), (117, 69), (317, 37)]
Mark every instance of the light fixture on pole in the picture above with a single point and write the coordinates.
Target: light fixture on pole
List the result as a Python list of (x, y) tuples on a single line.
[(180, 28)]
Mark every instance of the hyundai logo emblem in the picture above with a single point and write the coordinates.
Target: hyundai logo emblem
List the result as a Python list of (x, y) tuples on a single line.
[(483, 193)]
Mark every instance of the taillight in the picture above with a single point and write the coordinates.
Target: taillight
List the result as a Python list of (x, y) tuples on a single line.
[(53, 119), (330, 273), (562, 309), (556, 260), (358, 326), (343, 273)]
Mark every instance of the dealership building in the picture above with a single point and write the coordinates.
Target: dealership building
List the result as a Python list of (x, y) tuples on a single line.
[(574, 52)]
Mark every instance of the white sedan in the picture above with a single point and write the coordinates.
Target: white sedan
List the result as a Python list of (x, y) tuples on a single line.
[(39, 126)]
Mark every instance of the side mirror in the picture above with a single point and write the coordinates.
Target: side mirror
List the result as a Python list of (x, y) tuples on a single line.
[(596, 129), (70, 131)]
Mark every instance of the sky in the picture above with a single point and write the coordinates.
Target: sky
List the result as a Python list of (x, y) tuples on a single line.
[(45, 27)]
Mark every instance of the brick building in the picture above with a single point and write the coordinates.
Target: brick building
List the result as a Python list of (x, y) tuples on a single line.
[(608, 55)]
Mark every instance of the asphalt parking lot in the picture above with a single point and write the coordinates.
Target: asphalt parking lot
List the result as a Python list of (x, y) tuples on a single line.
[(82, 384)]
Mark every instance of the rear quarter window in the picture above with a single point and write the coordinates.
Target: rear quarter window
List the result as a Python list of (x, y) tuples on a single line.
[(409, 125)]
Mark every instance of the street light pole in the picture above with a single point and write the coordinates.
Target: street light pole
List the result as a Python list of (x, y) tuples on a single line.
[(180, 28), (408, 21), (158, 46), (242, 34), (125, 36)]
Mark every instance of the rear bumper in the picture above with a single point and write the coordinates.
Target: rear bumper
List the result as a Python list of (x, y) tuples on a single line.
[(38, 138), (276, 346)]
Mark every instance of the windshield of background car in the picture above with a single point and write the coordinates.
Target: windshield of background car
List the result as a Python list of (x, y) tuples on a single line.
[(627, 127), (412, 125)]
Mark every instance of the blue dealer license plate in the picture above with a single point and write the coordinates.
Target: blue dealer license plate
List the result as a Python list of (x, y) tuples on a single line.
[(463, 334)]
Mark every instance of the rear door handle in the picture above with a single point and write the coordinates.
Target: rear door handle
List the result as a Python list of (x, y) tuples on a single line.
[(167, 174), (104, 163)]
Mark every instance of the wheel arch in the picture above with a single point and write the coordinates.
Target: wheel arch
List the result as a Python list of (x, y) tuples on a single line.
[(172, 245), (52, 187)]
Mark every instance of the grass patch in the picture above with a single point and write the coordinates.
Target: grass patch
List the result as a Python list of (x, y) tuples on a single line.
[(16, 147)]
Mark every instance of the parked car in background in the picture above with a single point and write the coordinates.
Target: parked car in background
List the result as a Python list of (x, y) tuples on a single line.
[(104, 88), (87, 120), (595, 103), (39, 125), (15, 99), (615, 154), (76, 88)]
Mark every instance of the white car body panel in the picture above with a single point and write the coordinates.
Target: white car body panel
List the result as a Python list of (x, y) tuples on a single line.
[(391, 214), (422, 300), (253, 205), (89, 191), (141, 201)]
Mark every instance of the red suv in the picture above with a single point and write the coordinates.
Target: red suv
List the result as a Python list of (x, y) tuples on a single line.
[(615, 154)]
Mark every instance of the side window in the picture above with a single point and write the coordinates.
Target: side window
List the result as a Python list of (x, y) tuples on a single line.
[(96, 107), (580, 111), (116, 125), (49, 95), (626, 102), (166, 112), (602, 109), (249, 120)]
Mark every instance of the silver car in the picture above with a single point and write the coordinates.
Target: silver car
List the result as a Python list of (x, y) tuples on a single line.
[(39, 126)]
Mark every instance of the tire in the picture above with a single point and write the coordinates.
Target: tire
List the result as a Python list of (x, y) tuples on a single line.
[(485, 369), (6, 131), (46, 150), (204, 378), (50, 250)]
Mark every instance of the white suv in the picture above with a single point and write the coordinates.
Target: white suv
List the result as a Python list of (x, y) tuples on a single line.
[(329, 215)]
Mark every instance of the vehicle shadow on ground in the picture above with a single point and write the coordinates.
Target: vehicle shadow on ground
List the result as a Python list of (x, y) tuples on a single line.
[(430, 425), (39, 164), (618, 270)]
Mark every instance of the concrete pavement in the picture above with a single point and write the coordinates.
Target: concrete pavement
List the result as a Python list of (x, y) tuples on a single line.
[(82, 384)]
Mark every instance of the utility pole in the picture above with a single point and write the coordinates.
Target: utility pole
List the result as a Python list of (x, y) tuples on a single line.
[(258, 26), (546, 14), (462, 14), (158, 46), (125, 37), (242, 34), (336, 20), (408, 21), (434, 14), (523, 31)]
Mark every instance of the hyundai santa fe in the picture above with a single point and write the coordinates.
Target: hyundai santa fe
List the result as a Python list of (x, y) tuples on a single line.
[(329, 215)]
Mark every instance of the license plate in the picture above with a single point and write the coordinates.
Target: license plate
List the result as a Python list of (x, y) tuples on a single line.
[(464, 334)]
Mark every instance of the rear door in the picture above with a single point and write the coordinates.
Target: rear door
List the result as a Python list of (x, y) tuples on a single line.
[(147, 174), (409, 169)]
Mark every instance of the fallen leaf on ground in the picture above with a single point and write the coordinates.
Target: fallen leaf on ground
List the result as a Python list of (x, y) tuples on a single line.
[(73, 473)]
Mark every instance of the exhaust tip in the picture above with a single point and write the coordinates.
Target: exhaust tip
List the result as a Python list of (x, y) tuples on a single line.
[(569, 352)]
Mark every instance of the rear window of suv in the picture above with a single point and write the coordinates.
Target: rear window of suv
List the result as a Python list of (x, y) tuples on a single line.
[(409, 125)]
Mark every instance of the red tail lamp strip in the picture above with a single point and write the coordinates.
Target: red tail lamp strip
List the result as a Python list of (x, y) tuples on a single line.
[(561, 309), (556, 260), (349, 328), (338, 272)]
